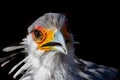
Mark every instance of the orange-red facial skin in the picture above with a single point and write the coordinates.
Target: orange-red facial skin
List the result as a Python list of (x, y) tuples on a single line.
[(47, 36)]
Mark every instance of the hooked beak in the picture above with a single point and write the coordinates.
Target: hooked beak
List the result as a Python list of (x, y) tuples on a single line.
[(57, 44)]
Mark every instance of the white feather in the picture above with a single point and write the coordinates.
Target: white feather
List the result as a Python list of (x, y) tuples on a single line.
[(55, 65), (17, 65), (11, 48), (6, 62)]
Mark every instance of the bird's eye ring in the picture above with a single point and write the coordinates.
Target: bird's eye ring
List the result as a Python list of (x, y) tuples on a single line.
[(37, 34)]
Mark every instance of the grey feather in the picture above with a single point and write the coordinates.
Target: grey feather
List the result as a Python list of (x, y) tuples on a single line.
[(49, 20), (54, 65)]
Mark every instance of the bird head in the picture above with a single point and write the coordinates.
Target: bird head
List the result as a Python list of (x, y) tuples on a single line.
[(47, 36), (49, 33), (48, 45)]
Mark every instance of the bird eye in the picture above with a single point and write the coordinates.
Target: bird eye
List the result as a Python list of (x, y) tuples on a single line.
[(37, 34)]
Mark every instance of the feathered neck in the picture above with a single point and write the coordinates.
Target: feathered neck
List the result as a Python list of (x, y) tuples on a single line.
[(54, 66)]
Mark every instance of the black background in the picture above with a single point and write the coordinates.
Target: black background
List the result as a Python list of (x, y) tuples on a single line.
[(94, 25)]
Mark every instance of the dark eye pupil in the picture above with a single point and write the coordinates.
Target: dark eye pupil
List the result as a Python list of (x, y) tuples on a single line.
[(37, 34)]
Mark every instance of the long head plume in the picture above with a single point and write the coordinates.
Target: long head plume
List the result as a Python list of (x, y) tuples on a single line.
[(49, 49)]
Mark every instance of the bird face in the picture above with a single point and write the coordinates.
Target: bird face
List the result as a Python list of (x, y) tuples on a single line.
[(51, 39)]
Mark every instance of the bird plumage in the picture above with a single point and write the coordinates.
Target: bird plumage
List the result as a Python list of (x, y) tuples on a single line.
[(49, 49)]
